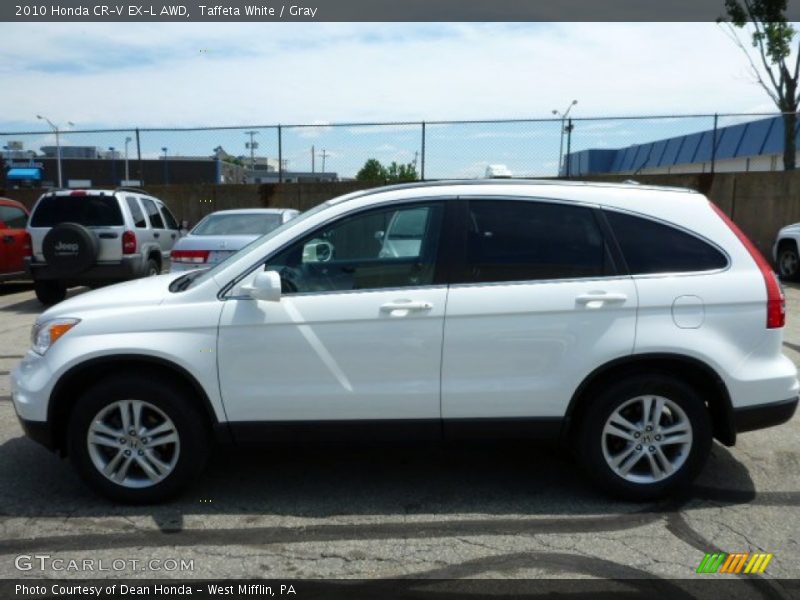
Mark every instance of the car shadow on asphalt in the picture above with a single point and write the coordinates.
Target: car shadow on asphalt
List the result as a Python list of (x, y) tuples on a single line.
[(31, 306), (359, 480)]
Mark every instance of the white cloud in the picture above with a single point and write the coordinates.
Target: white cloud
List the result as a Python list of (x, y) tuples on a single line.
[(230, 74)]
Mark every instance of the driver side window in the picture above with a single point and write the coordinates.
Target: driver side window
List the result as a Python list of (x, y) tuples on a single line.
[(385, 248)]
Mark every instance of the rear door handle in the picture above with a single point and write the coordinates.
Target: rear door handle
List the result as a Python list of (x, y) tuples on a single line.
[(8, 239), (405, 305), (598, 299), (155, 235)]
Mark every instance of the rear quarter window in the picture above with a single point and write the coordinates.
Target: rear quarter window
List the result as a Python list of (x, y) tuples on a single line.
[(650, 247), (136, 212), (90, 211)]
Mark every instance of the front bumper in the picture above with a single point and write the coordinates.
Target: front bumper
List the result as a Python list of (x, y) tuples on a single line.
[(764, 415), (129, 267), (39, 431)]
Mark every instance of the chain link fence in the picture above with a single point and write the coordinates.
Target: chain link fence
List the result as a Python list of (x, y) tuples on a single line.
[(571, 147)]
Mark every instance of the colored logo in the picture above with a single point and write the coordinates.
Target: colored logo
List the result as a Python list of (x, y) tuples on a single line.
[(737, 562)]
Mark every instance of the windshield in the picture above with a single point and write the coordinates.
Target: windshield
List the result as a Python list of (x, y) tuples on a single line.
[(196, 277), (238, 224)]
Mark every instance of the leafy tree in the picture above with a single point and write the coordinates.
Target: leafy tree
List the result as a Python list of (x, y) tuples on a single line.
[(400, 173), (372, 171), (772, 37)]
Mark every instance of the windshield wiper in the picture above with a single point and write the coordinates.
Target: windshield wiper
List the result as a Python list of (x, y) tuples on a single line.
[(183, 282)]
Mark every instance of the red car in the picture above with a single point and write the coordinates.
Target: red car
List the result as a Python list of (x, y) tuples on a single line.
[(15, 243)]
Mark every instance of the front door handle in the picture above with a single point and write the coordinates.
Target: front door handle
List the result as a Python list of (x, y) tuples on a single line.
[(599, 299), (8, 239), (405, 306), (156, 235)]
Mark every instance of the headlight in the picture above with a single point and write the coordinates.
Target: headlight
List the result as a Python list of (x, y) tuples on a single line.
[(45, 334)]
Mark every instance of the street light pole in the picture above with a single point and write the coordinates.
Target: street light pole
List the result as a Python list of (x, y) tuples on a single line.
[(563, 116), (128, 140), (113, 166), (58, 143), (166, 172)]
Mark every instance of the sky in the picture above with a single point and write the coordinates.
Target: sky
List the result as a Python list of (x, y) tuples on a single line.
[(115, 75)]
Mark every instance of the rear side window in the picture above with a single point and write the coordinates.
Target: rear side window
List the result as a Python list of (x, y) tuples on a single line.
[(152, 212), (523, 241), (651, 247), (168, 218), (13, 217), (136, 212), (90, 211)]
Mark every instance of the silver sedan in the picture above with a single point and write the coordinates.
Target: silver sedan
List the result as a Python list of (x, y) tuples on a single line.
[(224, 232)]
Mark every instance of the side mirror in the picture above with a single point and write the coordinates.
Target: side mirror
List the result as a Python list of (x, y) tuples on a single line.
[(265, 286)]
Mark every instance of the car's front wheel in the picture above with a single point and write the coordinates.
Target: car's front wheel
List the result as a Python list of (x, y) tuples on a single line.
[(137, 440), (645, 437)]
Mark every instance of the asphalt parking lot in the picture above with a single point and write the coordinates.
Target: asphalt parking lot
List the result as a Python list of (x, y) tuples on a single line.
[(422, 511)]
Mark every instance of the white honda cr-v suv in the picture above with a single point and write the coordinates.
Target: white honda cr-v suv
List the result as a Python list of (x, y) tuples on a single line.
[(631, 323)]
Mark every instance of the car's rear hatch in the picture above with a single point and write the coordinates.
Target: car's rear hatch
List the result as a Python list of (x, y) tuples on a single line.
[(97, 211)]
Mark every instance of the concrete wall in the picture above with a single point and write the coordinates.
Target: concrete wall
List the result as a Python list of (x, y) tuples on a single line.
[(193, 202), (760, 203)]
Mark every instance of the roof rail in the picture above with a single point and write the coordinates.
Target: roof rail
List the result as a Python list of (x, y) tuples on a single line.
[(125, 188)]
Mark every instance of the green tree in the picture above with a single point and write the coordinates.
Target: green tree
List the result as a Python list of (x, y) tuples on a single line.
[(372, 171), (375, 172), (401, 173), (772, 37)]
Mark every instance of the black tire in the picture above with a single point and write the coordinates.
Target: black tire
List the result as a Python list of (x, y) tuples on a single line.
[(152, 268), (49, 292), (591, 439), (788, 261), (174, 402), (70, 249)]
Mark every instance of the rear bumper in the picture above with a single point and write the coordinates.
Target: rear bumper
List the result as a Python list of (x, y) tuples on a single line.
[(130, 267), (764, 415)]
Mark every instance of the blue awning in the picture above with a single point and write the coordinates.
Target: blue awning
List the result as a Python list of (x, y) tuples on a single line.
[(24, 174)]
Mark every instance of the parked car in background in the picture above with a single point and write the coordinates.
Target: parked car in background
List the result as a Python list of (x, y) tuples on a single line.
[(785, 252), (633, 324), (223, 233), (15, 243), (93, 237)]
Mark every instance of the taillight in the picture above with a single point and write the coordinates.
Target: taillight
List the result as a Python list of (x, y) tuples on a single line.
[(191, 257), (27, 244), (776, 301), (128, 242)]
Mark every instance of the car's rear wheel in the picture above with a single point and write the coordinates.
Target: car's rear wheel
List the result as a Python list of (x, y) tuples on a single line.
[(645, 437), (49, 292), (137, 440), (152, 268), (788, 261)]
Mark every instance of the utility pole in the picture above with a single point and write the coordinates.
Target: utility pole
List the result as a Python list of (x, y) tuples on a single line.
[(313, 160), (252, 145), (324, 154)]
